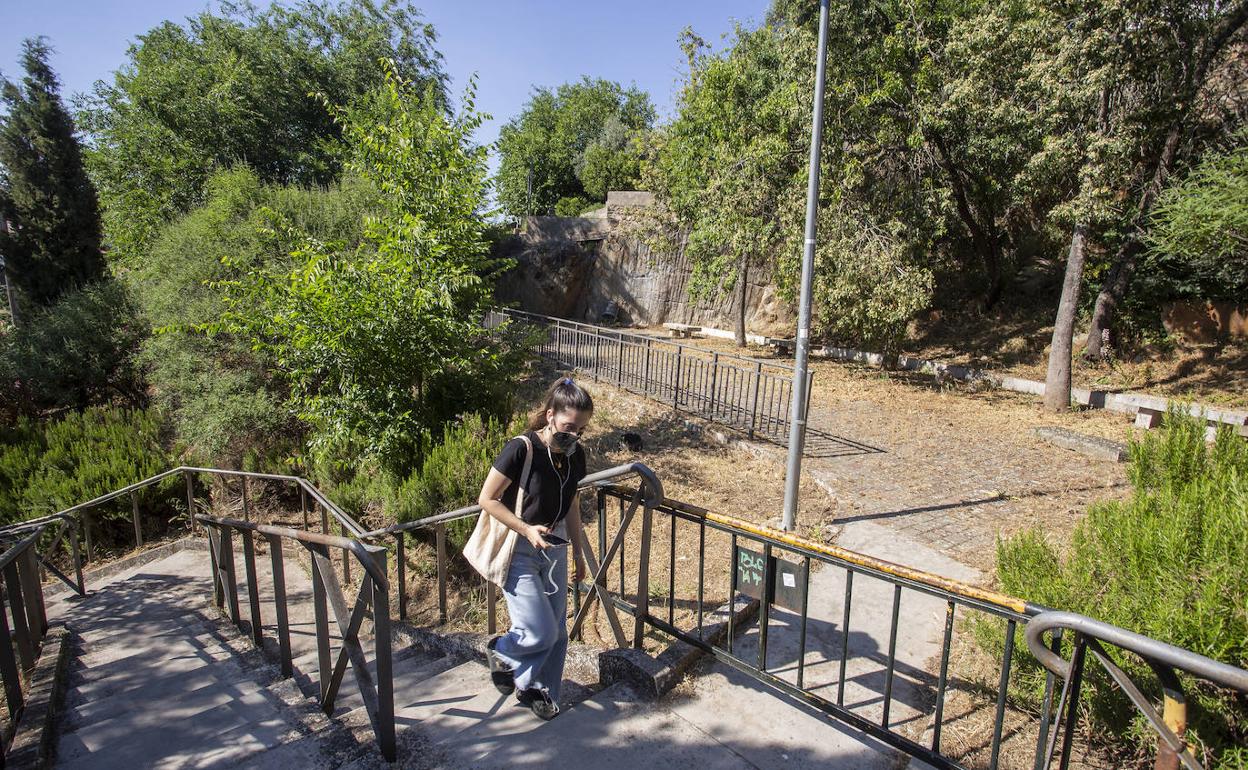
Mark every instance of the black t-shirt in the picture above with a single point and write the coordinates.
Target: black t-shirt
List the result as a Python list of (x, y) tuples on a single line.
[(543, 502)]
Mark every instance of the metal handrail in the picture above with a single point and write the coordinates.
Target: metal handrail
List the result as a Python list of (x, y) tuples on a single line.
[(362, 551), (22, 643), (653, 494), (307, 486), (1146, 647)]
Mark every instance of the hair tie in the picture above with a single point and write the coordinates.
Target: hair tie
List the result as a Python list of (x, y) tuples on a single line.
[(566, 381)]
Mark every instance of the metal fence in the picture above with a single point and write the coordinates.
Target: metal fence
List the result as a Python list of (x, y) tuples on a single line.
[(830, 664), (749, 394)]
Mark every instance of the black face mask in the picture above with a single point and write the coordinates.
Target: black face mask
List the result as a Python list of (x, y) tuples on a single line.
[(566, 442)]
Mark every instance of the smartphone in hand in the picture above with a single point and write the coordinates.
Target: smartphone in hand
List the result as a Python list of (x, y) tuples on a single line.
[(554, 541)]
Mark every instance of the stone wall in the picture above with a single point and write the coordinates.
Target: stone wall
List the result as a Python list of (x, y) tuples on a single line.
[(578, 267)]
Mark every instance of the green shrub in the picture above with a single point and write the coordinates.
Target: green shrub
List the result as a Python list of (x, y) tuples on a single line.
[(1171, 562), (74, 353), (47, 467), (453, 472)]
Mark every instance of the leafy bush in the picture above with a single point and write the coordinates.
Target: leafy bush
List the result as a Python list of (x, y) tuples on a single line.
[(867, 289), (453, 472), (47, 467), (74, 353), (1170, 563), (574, 206), (382, 343), (1199, 237), (221, 395)]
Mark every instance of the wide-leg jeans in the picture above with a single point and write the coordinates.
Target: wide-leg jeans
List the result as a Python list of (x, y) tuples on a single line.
[(537, 643)]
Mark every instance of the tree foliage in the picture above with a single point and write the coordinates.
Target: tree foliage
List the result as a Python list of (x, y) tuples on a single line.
[(221, 396), (383, 342), (52, 243), (577, 141), (74, 353), (237, 87), (1199, 238)]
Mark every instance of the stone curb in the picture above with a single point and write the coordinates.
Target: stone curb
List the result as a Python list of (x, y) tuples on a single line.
[(138, 559), (34, 738), (652, 677), (1092, 446)]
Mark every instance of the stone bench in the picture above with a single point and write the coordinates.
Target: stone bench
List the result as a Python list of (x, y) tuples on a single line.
[(682, 330)]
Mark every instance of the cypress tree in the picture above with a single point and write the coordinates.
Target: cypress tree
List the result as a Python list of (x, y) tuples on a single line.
[(52, 242)]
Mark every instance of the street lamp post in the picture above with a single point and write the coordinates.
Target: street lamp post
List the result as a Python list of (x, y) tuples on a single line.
[(797, 409)]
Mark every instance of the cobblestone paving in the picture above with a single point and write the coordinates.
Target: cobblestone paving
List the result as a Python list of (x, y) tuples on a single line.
[(949, 476)]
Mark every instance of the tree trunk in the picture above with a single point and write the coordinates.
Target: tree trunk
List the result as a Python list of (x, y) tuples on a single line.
[(743, 282), (1118, 279), (1057, 383), (1123, 269), (984, 235)]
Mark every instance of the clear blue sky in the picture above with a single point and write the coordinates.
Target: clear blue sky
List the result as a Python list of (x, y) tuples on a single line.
[(512, 46)]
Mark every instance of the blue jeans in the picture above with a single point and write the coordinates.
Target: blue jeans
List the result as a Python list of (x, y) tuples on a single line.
[(537, 643)]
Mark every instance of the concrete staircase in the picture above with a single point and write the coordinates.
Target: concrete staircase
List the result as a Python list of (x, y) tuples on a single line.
[(158, 679)]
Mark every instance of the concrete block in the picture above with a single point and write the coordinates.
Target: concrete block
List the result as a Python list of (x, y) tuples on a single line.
[(1148, 418), (1092, 446)]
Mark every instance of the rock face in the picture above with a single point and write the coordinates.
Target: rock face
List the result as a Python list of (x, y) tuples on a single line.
[(584, 267)]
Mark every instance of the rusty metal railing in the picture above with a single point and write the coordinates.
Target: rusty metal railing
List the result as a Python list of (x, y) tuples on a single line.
[(648, 492), (747, 394), (758, 570), (1165, 660), (374, 595), (23, 618)]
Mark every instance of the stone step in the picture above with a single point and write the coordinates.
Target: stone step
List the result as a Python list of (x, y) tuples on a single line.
[(410, 663), (80, 693), (181, 695), (183, 730), (612, 727), (199, 636)]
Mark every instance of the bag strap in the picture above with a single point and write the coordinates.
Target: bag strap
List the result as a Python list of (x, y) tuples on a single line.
[(524, 473)]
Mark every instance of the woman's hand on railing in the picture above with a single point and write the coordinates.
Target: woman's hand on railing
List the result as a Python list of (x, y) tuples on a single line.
[(580, 571)]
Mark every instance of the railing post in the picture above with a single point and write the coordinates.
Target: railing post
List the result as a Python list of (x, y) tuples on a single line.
[(21, 627), (8, 667), (138, 526), (491, 611), (346, 557), (758, 376), (76, 554), (303, 507), (383, 658), (401, 567), (227, 566), (714, 379), (253, 586), (676, 385), (246, 502), (619, 360), (32, 591), (86, 533), (643, 580), (321, 613), (594, 367), (440, 536), (190, 500), (279, 604), (646, 377)]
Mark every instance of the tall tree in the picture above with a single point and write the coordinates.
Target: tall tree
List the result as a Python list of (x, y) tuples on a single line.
[(570, 144), (1171, 61), (52, 241), (235, 87)]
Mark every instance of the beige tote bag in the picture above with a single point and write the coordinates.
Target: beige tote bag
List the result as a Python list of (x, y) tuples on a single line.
[(492, 543)]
